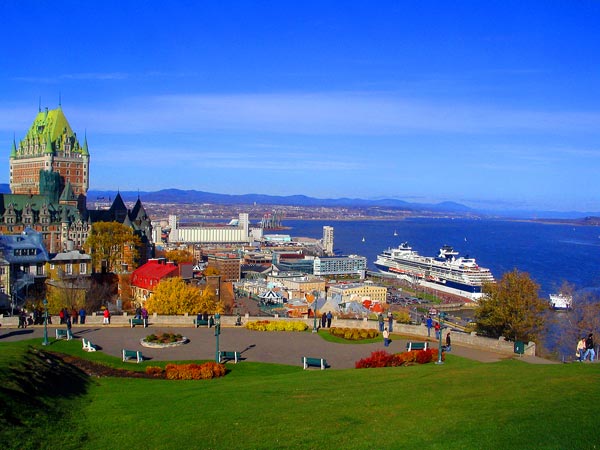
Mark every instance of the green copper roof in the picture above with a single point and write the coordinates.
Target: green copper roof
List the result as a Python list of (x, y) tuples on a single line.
[(52, 132), (13, 152)]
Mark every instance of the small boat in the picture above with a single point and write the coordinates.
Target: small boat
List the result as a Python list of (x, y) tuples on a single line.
[(395, 233), (363, 239)]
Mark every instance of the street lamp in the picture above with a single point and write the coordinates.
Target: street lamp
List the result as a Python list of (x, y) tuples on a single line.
[(316, 296), (45, 303), (217, 333), (441, 319)]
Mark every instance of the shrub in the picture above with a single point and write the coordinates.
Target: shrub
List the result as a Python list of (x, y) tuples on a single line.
[(381, 358), (204, 371), (402, 317), (354, 334), (278, 325)]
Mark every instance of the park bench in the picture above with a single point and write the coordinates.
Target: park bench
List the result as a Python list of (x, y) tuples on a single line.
[(416, 346), (235, 356), (64, 334), (134, 322), (204, 323), (88, 346), (314, 362), (132, 354)]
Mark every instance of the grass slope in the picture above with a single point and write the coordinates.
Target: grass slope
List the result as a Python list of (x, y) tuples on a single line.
[(462, 404)]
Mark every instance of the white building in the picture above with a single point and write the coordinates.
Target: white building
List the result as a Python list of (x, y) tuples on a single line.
[(328, 240), (340, 265), (211, 234)]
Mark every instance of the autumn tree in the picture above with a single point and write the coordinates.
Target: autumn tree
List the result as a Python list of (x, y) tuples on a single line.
[(511, 308), (112, 244), (175, 296), (179, 256), (211, 271)]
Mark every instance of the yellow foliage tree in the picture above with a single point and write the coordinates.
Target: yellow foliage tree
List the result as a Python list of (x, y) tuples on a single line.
[(112, 243), (211, 271), (175, 296), (179, 256)]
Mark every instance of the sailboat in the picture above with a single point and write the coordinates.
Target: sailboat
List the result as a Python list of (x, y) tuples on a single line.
[(363, 239), (395, 233)]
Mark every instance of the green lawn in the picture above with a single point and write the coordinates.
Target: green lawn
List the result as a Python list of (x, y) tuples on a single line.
[(461, 404)]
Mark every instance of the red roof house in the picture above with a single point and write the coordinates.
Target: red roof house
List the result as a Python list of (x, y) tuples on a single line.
[(145, 278)]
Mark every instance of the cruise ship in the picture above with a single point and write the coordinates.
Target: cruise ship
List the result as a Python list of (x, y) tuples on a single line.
[(446, 272)]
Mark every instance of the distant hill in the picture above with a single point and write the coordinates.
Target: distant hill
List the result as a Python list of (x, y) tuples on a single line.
[(192, 196)]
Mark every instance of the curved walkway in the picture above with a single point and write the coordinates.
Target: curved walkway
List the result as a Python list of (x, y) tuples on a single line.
[(270, 347)]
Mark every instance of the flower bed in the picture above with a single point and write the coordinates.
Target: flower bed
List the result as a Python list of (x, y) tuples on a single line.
[(354, 334), (204, 371), (384, 359), (164, 340), (279, 325)]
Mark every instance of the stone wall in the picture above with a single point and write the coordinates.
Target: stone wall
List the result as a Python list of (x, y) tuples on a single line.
[(419, 331)]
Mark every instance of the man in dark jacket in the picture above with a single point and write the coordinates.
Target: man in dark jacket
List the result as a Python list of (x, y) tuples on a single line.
[(589, 348)]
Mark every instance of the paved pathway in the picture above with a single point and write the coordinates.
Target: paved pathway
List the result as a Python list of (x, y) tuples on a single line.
[(271, 347)]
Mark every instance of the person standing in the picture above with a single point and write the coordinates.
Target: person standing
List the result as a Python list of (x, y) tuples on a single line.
[(82, 316), (106, 320), (437, 330), (324, 320), (74, 316), (448, 342), (429, 325), (589, 348), (329, 317), (390, 317), (144, 313), (386, 338), (380, 320), (68, 322), (61, 316)]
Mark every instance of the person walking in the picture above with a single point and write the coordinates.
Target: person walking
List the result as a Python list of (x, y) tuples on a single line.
[(324, 320), (22, 319), (437, 330), (82, 315), (429, 325), (386, 338), (380, 320), (329, 317), (448, 342), (68, 322), (61, 316), (589, 348)]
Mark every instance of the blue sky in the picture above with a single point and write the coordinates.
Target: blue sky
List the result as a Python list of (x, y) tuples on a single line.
[(488, 103)]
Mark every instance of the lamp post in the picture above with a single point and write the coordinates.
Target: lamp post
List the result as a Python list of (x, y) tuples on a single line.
[(45, 303), (217, 333), (441, 319), (316, 296)]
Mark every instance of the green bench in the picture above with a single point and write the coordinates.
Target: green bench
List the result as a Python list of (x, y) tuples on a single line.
[(204, 323), (134, 322), (416, 346), (64, 334), (88, 346), (314, 362), (133, 355), (235, 356)]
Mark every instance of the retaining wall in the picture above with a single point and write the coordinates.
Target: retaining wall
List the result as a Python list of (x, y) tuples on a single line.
[(472, 340)]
